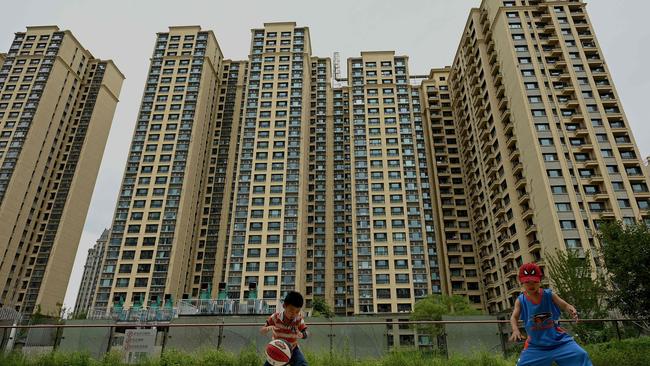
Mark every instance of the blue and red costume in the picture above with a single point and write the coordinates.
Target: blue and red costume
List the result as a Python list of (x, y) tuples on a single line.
[(547, 342)]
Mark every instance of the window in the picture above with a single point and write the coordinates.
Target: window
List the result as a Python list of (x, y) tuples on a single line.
[(568, 224), (546, 142), (122, 282), (382, 279), (401, 264), (401, 278), (527, 73), (531, 85), (572, 243), (596, 122), (558, 189), (554, 173), (607, 153), (563, 206)]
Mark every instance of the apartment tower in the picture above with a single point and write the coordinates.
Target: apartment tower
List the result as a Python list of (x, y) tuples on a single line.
[(546, 149), (56, 108), (149, 252), (90, 276)]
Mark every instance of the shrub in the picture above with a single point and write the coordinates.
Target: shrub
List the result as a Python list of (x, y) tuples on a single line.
[(629, 352)]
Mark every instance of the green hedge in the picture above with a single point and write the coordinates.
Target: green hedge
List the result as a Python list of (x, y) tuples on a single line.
[(629, 352)]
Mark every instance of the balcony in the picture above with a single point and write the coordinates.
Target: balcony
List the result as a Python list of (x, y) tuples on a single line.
[(527, 214), (601, 196), (520, 183), (510, 270), (594, 178), (534, 245), (531, 229)]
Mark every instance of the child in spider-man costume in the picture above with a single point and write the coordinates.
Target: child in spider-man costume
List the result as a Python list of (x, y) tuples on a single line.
[(539, 309)]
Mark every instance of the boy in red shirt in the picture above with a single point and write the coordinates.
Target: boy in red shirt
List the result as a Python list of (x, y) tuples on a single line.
[(289, 325)]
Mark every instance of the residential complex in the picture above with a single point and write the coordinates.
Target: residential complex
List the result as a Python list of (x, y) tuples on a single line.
[(247, 179), (56, 107)]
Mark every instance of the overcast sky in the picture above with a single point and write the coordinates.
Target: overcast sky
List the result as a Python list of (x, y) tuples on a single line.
[(427, 31)]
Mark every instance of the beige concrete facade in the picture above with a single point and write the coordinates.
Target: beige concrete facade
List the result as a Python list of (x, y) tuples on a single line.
[(383, 189), (56, 109)]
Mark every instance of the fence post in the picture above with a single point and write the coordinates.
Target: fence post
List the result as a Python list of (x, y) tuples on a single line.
[(110, 339), (164, 340), (618, 331), (502, 339), (331, 337), (220, 335), (57, 338)]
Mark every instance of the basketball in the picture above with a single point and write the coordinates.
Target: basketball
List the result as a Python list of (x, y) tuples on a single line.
[(278, 352)]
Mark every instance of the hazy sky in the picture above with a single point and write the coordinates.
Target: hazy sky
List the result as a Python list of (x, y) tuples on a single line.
[(427, 31)]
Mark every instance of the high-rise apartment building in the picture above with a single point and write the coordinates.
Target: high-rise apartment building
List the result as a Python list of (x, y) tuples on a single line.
[(158, 214), (377, 189), (394, 253), (454, 227), (546, 149), (266, 252), (209, 258), (90, 276), (56, 106)]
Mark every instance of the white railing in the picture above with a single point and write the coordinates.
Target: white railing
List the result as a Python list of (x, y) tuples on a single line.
[(186, 307), (228, 306)]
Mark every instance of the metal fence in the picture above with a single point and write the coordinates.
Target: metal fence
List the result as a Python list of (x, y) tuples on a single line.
[(185, 307), (358, 336)]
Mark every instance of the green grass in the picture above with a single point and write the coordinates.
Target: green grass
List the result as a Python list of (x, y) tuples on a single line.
[(629, 352)]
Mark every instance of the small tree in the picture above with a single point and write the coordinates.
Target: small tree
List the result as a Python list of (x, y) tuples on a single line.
[(321, 308), (574, 280), (626, 252), (433, 307)]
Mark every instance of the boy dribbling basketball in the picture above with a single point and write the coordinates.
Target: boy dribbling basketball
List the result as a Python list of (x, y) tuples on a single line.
[(539, 309), (289, 326)]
